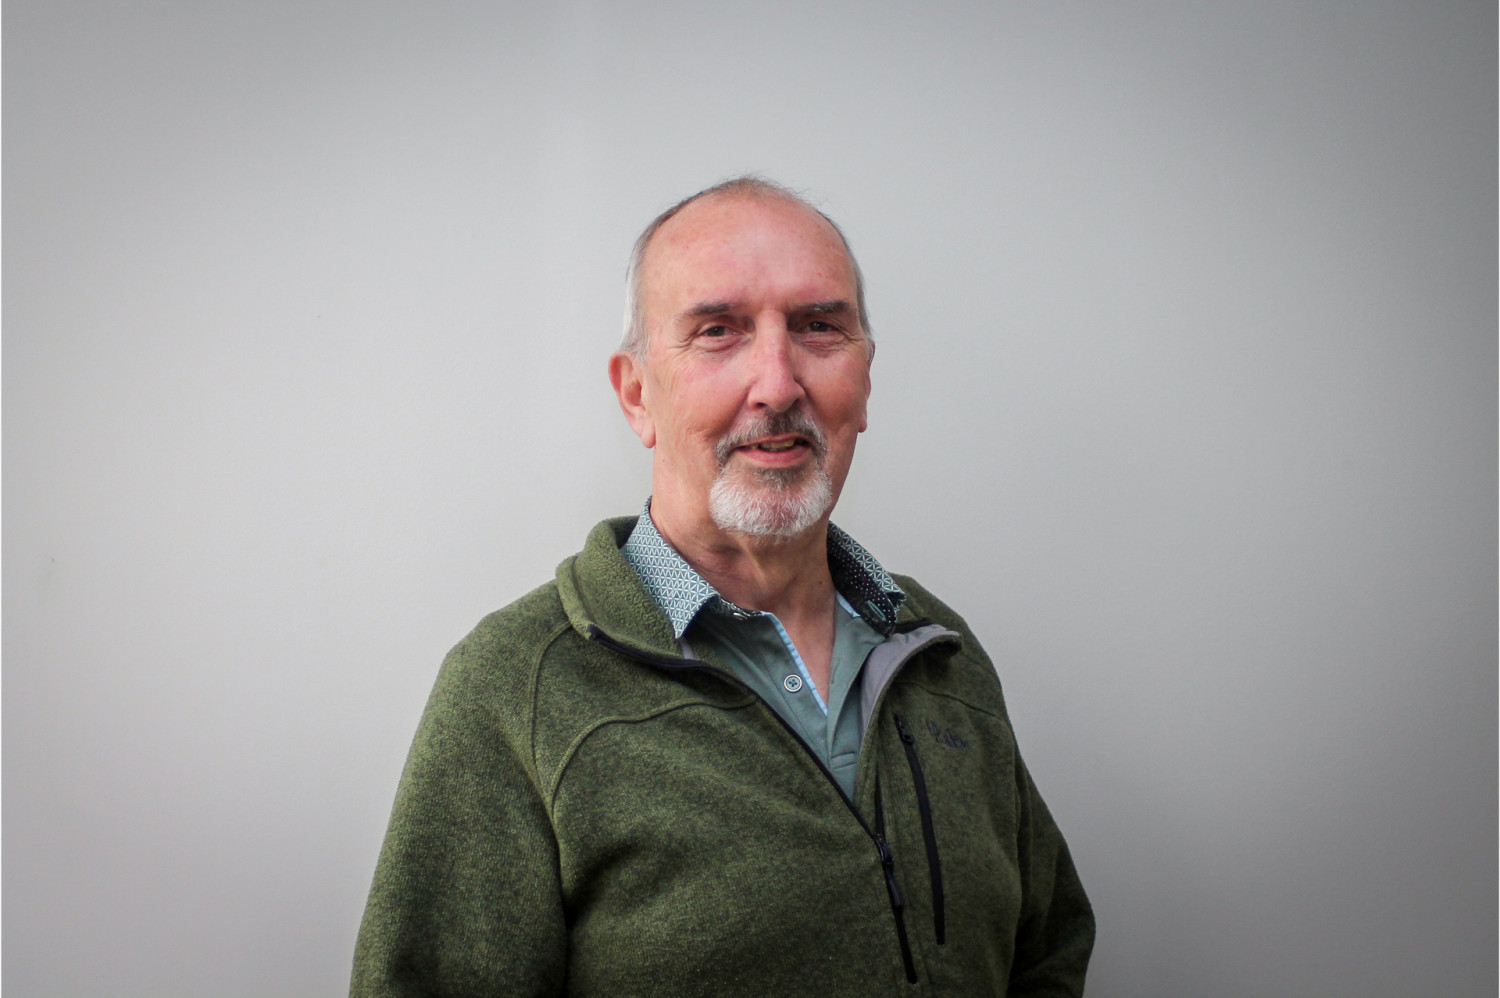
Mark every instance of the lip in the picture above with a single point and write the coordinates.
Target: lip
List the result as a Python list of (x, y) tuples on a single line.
[(800, 449)]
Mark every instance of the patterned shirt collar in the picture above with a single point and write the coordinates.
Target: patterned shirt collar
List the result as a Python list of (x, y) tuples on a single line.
[(682, 593)]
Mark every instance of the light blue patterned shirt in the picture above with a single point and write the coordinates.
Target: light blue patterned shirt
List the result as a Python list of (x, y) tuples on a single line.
[(757, 648)]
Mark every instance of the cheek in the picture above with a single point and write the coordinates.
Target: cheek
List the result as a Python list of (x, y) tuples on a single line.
[(849, 421), (854, 402), (698, 415), (705, 401)]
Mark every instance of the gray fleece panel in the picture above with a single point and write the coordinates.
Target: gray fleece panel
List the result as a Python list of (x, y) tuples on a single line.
[(886, 660)]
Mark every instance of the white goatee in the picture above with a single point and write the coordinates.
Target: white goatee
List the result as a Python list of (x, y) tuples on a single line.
[(771, 502)]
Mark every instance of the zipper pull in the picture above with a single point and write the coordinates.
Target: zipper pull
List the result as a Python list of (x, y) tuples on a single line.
[(888, 864), (906, 735)]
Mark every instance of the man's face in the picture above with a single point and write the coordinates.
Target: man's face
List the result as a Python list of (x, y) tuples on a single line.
[(757, 371)]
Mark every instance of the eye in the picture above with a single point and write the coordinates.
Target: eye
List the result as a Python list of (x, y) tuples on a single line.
[(719, 336), (822, 329)]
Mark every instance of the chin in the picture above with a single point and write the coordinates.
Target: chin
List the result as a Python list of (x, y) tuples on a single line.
[(770, 504)]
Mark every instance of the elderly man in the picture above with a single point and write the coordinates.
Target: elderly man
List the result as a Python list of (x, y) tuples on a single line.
[(724, 752)]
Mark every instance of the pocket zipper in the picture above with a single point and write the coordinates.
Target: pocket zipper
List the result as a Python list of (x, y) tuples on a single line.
[(929, 837)]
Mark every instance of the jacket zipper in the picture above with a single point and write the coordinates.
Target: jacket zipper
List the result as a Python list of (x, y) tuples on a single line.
[(929, 837), (898, 901), (877, 834)]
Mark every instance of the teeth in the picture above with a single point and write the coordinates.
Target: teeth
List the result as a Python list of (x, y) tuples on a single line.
[(784, 445)]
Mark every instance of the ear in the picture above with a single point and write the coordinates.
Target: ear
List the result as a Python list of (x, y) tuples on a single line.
[(628, 377)]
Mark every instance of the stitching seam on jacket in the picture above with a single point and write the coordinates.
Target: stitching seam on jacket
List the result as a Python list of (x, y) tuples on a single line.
[(999, 716), (536, 685), (549, 796)]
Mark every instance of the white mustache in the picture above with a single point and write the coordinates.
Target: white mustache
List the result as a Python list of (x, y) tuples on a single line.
[(792, 422)]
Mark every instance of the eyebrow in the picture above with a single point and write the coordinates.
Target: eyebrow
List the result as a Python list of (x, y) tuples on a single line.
[(833, 306), (704, 308)]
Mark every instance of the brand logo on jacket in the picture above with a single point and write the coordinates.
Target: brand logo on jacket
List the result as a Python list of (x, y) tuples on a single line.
[(945, 736)]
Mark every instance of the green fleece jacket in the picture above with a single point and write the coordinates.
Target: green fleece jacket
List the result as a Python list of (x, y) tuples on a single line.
[(585, 811)]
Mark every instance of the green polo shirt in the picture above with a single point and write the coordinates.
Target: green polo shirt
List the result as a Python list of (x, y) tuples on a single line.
[(756, 648)]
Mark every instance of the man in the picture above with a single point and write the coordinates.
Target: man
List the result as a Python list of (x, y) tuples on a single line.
[(724, 752)]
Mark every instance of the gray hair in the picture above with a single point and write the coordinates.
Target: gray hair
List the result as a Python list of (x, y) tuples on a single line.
[(750, 186)]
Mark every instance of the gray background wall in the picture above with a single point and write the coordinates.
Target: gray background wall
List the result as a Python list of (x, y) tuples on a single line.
[(1186, 396)]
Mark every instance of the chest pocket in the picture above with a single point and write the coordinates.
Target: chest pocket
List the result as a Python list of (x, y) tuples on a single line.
[(953, 812)]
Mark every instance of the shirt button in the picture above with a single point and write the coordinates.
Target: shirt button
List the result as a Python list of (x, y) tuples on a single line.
[(792, 683)]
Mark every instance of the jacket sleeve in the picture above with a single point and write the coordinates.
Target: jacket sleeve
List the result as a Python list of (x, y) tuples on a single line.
[(466, 897), (1056, 931)]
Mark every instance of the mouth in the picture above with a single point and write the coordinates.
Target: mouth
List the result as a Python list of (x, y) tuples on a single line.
[(778, 445), (783, 440)]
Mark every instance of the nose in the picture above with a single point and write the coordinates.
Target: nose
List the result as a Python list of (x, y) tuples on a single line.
[(776, 380)]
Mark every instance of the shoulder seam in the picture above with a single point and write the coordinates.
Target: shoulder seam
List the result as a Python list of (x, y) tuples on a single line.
[(549, 793), (1000, 715), (536, 683)]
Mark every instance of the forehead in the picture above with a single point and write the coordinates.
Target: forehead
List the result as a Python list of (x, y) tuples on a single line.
[(758, 250)]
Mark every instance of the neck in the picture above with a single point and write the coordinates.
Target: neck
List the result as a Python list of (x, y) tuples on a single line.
[(787, 576)]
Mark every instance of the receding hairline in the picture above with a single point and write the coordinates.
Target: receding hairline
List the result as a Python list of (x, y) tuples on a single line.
[(650, 249), (747, 188)]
